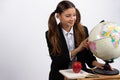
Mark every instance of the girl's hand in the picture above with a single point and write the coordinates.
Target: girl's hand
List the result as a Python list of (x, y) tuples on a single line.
[(98, 65), (84, 44)]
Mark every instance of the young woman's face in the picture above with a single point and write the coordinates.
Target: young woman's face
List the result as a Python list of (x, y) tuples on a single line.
[(68, 17)]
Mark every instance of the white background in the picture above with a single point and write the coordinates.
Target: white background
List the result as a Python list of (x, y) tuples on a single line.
[(23, 50)]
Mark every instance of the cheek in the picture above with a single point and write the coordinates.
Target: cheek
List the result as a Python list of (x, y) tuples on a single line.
[(64, 20), (75, 18)]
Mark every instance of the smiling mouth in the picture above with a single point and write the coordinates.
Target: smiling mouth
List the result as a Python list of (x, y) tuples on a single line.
[(71, 22)]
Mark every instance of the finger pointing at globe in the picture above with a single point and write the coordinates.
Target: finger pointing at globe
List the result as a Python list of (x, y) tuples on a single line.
[(84, 44)]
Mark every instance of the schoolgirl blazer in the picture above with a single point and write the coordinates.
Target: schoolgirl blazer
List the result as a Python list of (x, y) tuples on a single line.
[(62, 61)]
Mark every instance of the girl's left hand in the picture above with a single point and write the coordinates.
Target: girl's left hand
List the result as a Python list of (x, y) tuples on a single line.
[(98, 65)]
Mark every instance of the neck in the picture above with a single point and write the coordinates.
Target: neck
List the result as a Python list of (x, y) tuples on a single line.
[(67, 28)]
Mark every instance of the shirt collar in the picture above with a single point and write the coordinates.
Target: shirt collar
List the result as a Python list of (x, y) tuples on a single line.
[(65, 32)]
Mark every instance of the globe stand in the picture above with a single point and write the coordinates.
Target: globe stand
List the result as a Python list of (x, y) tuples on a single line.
[(107, 69)]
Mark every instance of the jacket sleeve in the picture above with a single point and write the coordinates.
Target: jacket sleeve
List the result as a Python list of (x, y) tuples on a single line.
[(86, 56)]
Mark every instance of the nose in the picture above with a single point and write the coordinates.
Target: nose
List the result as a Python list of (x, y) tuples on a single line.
[(72, 18)]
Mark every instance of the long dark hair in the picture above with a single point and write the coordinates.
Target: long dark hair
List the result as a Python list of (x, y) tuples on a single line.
[(53, 32)]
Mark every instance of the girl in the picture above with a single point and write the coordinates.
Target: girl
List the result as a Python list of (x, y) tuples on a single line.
[(67, 41)]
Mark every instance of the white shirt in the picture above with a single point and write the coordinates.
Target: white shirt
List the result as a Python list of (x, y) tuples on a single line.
[(69, 37)]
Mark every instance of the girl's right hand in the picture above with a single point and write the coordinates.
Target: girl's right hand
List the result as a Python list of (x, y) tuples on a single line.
[(84, 44)]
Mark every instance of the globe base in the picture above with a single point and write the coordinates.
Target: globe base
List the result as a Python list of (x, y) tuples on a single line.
[(106, 72), (107, 69)]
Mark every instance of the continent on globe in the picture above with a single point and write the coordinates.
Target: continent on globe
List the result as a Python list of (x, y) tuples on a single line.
[(113, 31)]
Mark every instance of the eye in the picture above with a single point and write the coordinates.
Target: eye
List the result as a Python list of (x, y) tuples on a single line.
[(74, 15), (68, 15)]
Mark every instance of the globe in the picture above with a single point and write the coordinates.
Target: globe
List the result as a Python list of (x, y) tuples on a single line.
[(104, 41)]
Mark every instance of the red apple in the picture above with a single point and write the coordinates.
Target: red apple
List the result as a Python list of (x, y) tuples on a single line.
[(76, 66)]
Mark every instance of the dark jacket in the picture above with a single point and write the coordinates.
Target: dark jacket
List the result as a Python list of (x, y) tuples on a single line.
[(62, 61)]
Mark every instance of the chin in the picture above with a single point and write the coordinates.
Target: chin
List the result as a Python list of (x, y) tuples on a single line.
[(71, 25)]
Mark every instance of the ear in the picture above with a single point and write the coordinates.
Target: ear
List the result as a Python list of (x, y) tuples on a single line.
[(58, 16)]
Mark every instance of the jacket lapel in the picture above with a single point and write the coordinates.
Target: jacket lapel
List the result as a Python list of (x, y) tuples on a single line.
[(62, 40)]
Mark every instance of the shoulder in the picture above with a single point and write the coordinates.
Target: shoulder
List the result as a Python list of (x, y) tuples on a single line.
[(85, 28), (46, 33), (86, 31)]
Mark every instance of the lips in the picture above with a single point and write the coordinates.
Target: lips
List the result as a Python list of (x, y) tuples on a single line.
[(72, 22)]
